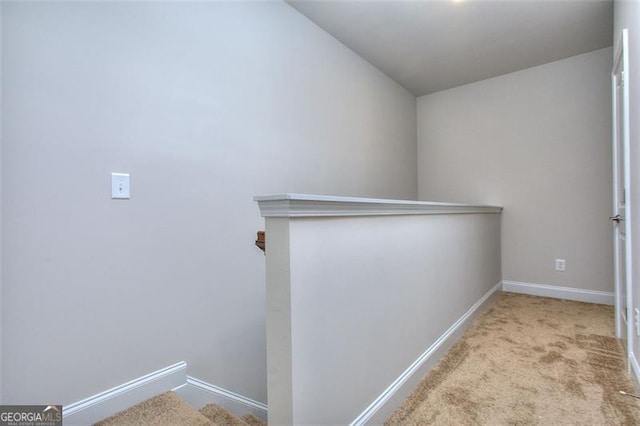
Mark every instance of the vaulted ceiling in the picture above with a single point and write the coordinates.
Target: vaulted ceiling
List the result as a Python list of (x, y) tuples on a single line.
[(432, 45)]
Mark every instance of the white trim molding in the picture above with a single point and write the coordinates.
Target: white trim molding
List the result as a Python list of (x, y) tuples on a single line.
[(107, 403), (635, 368), (396, 393), (199, 393), (557, 292), (306, 205), (173, 378)]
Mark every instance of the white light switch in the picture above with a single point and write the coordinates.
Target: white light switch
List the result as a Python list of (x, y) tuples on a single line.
[(120, 185)]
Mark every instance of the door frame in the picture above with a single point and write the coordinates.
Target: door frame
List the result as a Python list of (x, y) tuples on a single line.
[(621, 59)]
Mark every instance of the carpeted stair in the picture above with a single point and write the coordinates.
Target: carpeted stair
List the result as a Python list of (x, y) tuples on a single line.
[(168, 409)]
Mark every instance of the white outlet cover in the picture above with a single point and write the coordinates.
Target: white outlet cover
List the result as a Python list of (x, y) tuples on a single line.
[(120, 186)]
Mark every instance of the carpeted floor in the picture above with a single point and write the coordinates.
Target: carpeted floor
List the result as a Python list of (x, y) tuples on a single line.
[(168, 409), (165, 409), (529, 361)]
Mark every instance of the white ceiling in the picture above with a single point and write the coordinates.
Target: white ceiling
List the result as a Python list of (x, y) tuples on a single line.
[(428, 45)]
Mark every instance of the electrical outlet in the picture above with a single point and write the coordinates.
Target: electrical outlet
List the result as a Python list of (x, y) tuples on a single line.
[(120, 185), (561, 265), (636, 316)]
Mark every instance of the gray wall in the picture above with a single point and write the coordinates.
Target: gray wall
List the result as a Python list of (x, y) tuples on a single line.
[(395, 285), (206, 105), (538, 143), (1, 201), (627, 15)]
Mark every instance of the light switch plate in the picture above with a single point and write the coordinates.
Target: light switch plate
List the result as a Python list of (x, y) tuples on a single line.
[(120, 186)]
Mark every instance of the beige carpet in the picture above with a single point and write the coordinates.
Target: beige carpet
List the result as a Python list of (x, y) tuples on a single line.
[(165, 409), (529, 361), (222, 417), (168, 409)]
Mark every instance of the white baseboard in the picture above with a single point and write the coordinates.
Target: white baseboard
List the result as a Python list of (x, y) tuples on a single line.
[(172, 378), (384, 406), (107, 403), (635, 369), (556, 292), (199, 393)]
